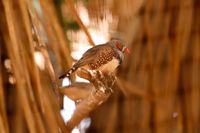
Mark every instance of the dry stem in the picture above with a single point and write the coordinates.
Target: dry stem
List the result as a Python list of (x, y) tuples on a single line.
[(98, 95)]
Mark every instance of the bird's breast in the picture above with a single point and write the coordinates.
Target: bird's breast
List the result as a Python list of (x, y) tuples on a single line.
[(110, 66)]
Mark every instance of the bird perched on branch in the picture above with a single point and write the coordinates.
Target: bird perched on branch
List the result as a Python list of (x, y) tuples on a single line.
[(104, 57)]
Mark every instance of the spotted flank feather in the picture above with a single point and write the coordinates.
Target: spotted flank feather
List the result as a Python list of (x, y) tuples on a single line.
[(102, 59), (70, 71)]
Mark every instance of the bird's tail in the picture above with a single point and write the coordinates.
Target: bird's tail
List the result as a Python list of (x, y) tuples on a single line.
[(69, 72)]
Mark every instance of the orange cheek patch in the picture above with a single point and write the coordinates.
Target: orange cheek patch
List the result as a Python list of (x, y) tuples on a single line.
[(119, 46)]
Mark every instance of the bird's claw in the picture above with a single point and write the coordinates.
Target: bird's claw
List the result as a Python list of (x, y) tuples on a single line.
[(100, 79), (106, 90), (100, 75)]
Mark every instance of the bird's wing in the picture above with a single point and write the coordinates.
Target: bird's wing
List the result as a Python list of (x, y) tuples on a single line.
[(96, 56)]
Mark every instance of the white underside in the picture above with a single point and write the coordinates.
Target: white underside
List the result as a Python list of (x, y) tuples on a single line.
[(110, 66)]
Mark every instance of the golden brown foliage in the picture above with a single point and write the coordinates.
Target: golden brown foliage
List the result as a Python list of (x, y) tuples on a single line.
[(31, 103), (160, 79)]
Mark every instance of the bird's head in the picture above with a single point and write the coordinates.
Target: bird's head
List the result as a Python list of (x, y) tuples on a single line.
[(119, 44)]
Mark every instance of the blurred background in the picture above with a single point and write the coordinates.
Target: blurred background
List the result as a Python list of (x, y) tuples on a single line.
[(158, 85)]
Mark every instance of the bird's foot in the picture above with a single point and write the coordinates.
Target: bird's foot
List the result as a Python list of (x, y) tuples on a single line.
[(100, 75), (99, 79), (106, 90), (109, 79)]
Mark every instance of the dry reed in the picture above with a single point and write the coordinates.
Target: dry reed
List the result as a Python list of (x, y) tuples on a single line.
[(160, 79)]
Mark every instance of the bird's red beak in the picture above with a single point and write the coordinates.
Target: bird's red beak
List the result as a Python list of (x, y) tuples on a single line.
[(126, 51)]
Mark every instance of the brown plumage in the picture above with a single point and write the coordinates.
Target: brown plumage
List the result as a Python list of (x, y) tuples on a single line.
[(105, 57)]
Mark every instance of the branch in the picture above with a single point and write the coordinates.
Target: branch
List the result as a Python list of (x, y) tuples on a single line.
[(77, 91), (99, 93)]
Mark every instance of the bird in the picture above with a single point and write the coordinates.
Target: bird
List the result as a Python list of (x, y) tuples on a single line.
[(103, 57)]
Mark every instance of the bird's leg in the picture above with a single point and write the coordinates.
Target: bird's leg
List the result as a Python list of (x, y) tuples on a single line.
[(108, 80), (87, 74), (100, 75), (92, 75), (102, 81), (105, 79), (111, 80), (94, 78)]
